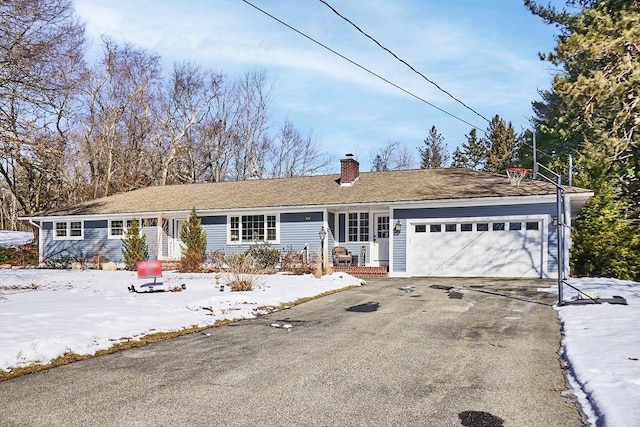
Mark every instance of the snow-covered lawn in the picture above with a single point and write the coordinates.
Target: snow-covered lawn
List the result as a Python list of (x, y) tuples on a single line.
[(601, 349), (47, 313)]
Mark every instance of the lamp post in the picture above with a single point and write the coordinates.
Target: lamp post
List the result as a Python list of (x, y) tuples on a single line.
[(322, 234)]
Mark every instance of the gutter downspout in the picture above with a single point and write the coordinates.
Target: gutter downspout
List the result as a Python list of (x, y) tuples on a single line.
[(40, 246)]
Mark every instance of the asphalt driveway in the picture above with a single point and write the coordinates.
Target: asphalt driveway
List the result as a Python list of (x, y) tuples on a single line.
[(396, 352)]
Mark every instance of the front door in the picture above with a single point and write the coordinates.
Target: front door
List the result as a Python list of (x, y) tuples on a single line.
[(380, 254)]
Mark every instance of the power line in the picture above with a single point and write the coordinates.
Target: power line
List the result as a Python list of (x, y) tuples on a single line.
[(404, 62), (363, 68)]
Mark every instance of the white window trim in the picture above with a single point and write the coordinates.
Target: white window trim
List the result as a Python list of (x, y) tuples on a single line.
[(239, 216), (371, 226), (124, 227), (68, 234)]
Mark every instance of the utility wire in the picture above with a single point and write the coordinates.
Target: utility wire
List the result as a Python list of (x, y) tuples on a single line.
[(404, 62), (363, 68)]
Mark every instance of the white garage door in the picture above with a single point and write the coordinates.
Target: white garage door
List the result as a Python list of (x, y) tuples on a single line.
[(476, 249)]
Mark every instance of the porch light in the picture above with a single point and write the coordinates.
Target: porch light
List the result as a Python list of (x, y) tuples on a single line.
[(322, 234), (397, 228)]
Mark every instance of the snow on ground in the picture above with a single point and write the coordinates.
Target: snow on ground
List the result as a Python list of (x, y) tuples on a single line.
[(601, 349), (10, 239), (47, 313)]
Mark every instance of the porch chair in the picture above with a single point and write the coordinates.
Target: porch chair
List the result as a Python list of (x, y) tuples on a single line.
[(341, 254)]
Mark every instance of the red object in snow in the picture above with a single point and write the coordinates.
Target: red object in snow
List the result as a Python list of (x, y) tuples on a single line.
[(149, 269)]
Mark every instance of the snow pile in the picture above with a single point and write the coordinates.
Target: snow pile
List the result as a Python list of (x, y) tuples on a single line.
[(12, 239), (601, 348)]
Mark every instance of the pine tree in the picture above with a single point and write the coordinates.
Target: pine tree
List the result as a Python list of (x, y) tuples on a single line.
[(194, 243), (501, 142), (434, 153), (604, 243), (472, 155), (134, 246), (591, 111)]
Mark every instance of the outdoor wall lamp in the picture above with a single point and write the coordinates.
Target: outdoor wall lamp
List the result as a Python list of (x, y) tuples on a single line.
[(322, 234), (397, 228)]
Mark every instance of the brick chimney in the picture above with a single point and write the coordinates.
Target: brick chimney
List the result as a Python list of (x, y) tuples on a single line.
[(349, 170)]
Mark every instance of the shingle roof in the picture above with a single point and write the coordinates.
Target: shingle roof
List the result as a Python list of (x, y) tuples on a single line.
[(323, 190)]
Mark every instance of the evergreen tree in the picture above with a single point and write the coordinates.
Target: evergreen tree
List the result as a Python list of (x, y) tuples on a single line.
[(501, 142), (134, 246), (591, 111), (472, 155), (434, 153), (379, 165), (605, 244), (194, 243)]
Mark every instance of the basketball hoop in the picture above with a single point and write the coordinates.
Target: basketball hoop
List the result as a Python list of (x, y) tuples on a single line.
[(516, 175)]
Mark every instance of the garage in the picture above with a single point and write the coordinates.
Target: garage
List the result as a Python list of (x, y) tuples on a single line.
[(476, 248)]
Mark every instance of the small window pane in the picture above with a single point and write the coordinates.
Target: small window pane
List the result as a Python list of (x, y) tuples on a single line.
[(515, 226), (532, 225), (435, 228), (498, 226), (61, 229), (450, 227), (466, 227), (117, 227), (75, 228), (482, 226), (421, 228)]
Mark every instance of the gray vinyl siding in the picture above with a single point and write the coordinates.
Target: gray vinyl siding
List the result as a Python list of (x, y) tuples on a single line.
[(297, 231), (400, 241), (216, 229), (95, 243), (300, 229)]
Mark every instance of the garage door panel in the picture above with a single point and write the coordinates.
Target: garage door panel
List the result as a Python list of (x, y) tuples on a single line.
[(502, 252)]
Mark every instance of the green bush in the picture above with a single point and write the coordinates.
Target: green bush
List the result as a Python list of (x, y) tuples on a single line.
[(263, 255), (194, 244), (63, 262), (134, 246), (23, 256), (605, 242)]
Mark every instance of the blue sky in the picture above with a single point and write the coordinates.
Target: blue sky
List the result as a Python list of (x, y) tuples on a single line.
[(484, 52)]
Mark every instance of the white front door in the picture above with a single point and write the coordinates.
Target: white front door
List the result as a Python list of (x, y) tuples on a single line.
[(380, 249)]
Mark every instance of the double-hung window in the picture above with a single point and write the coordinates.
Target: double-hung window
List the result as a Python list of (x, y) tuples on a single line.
[(68, 230), (118, 227), (358, 227), (253, 228)]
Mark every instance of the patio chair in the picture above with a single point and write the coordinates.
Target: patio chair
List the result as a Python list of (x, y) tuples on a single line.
[(342, 255)]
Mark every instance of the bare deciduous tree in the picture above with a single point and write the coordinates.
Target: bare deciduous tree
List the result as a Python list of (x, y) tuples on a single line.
[(393, 156), (41, 48), (294, 154)]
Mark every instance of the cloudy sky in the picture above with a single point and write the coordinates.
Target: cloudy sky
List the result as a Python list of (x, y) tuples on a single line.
[(483, 52)]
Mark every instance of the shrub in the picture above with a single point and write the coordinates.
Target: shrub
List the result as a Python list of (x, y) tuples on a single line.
[(23, 256), (62, 262), (194, 244), (605, 242), (263, 255), (241, 272), (134, 246)]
